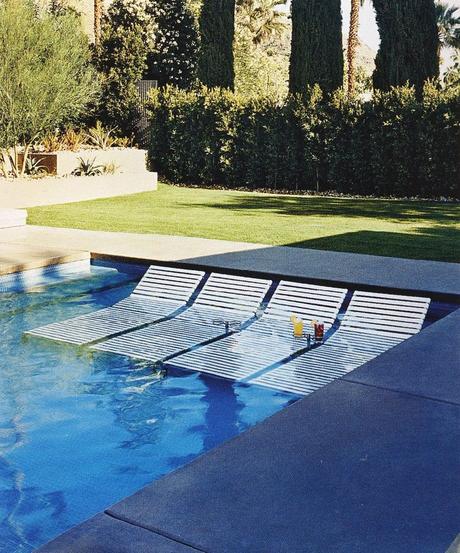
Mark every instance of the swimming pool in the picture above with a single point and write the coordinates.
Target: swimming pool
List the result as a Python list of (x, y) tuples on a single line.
[(81, 429)]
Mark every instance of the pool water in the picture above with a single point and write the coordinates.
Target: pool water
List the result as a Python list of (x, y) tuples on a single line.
[(79, 430)]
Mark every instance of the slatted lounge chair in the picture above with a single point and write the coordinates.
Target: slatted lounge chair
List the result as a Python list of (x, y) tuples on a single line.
[(160, 293), (224, 298), (373, 324), (270, 339)]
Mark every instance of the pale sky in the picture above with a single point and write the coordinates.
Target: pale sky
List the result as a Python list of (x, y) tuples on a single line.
[(368, 32)]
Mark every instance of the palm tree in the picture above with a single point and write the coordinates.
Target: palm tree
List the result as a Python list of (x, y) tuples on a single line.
[(261, 18), (353, 43), (98, 9), (448, 26)]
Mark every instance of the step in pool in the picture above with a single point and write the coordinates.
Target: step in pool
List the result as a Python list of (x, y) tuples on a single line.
[(12, 217)]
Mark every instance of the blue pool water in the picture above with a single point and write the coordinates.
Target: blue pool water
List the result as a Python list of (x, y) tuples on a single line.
[(80, 430)]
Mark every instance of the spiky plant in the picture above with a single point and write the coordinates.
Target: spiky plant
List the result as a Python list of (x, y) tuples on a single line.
[(262, 18), (448, 26)]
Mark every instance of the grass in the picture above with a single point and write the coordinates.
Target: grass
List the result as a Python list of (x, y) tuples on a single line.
[(411, 229)]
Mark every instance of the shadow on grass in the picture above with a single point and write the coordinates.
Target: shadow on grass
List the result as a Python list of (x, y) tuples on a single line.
[(389, 210), (437, 243)]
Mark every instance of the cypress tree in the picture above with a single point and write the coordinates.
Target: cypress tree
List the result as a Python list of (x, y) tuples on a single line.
[(409, 42), (316, 48), (217, 29), (174, 60)]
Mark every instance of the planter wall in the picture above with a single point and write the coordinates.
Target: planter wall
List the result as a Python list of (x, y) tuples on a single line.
[(26, 192), (61, 163)]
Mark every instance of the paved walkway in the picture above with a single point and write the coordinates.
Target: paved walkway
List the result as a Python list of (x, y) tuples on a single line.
[(12, 217), (436, 278)]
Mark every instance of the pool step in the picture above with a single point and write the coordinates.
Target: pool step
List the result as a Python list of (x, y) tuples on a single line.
[(12, 217)]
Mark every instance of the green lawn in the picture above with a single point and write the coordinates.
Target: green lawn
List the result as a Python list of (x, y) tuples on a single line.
[(419, 230)]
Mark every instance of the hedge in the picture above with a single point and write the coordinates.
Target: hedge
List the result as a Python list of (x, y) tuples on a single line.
[(396, 145)]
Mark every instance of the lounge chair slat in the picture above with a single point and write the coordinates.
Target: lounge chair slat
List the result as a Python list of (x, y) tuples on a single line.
[(409, 315), (307, 315), (372, 322), (292, 298), (393, 297), (296, 295), (267, 340), (361, 337), (233, 292), (402, 306), (286, 285), (202, 322), (152, 300)]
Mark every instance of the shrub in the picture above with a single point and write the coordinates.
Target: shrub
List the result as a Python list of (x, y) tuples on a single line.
[(45, 75), (175, 57), (143, 39), (122, 60), (395, 145)]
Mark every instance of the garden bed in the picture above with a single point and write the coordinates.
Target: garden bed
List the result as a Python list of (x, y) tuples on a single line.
[(65, 162)]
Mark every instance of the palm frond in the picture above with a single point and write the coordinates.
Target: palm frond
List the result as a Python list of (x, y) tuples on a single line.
[(448, 25)]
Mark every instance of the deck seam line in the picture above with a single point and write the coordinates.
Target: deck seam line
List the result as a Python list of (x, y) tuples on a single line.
[(412, 394), (155, 531)]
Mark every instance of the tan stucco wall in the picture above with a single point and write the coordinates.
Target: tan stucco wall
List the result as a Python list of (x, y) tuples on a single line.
[(86, 8)]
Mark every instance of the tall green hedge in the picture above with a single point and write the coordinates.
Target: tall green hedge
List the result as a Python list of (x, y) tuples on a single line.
[(396, 145), (217, 30), (408, 51), (316, 47)]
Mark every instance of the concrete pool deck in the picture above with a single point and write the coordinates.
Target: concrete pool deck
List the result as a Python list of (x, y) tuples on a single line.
[(366, 464), (431, 277)]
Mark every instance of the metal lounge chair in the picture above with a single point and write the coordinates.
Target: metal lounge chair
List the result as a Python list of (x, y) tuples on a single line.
[(224, 303), (270, 339), (160, 293), (373, 324)]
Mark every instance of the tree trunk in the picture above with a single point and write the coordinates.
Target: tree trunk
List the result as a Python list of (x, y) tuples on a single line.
[(353, 43), (98, 8)]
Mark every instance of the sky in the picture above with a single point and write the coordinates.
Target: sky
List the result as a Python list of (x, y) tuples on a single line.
[(368, 32)]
